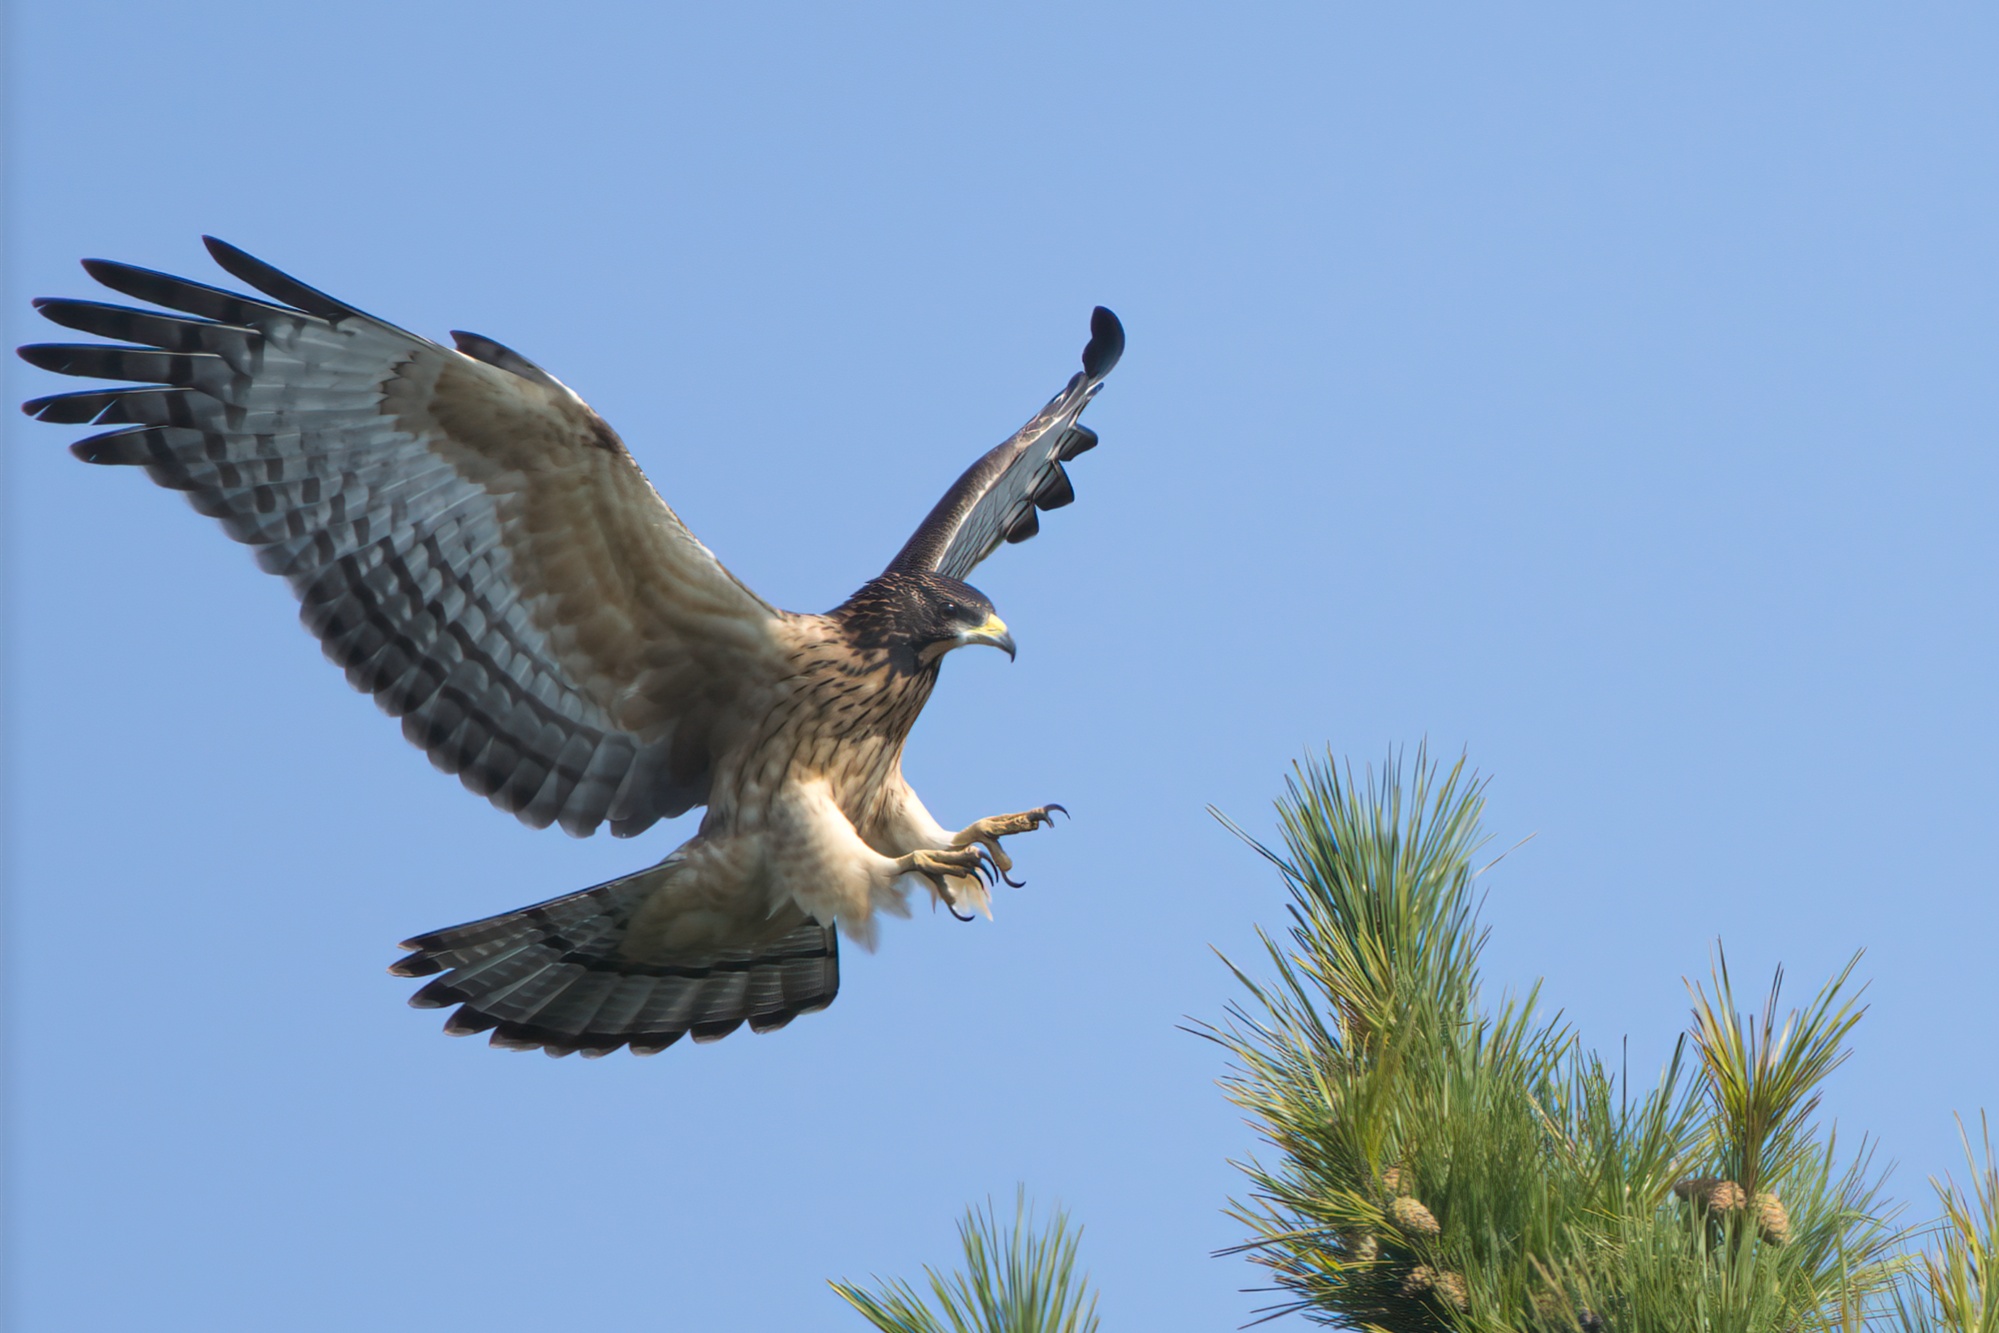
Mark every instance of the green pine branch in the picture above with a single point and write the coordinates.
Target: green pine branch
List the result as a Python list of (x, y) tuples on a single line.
[(1954, 1286), (1438, 1160), (1023, 1280), (1434, 1158)]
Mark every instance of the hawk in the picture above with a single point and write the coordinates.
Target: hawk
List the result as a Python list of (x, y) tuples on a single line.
[(478, 550)]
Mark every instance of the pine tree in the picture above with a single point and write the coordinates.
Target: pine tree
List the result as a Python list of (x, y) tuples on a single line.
[(1435, 1159)]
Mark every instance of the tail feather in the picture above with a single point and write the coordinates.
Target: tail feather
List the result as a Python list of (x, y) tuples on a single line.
[(522, 1000), (556, 976), (571, 1009), (617, 1009)]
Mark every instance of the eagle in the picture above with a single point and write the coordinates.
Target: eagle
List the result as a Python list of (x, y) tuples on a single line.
[(478, 550)]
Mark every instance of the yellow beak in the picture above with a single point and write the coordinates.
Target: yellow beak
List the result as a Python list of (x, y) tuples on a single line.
[(992, 632)]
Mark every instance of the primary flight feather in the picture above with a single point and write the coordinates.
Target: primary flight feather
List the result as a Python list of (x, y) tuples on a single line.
[(478, 550)]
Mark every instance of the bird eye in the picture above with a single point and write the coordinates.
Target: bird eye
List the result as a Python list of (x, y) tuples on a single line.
[(951, 610)]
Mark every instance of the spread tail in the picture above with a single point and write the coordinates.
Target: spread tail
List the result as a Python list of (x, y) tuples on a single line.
[(556, 975)]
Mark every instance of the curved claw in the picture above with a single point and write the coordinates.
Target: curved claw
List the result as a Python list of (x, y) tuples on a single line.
[(983, 866), (939, 868), (985, 834), (942, 886)]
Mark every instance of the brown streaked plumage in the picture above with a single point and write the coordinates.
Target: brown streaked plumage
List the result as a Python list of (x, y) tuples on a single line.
[(479, 551)]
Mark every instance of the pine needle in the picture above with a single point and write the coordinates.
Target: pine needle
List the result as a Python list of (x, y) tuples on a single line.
[(1023, 1280)]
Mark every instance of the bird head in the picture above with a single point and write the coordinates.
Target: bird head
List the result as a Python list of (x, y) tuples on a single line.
[(924, 614), (955, 614)]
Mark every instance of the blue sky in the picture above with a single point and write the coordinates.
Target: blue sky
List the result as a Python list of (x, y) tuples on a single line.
[(1607, 394)]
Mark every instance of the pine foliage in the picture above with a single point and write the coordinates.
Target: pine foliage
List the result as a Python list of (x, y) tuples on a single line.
[(1438, 1161), (1019, 1281), (1954, 1286), (1435, 1159)]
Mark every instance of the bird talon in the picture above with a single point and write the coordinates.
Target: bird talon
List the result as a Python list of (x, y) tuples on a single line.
[(997, 852), (939, 862), (985, 835), (941, 886), (939, 866)]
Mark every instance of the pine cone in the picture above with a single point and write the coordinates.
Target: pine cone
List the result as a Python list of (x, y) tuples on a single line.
[(1411, 1218), (1362, 1249), (1772, 1222), (1589, 1321), (1450, 1289), (1712, 1193), (1391, 1179), (1418, 1281), (1726, 1197)]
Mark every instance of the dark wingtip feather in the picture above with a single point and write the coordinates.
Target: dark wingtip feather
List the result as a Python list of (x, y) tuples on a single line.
[(1055, 490), (1106, 344), (481, 348), (71, 409), (48, 356), (132, 445), (1079, 440), (117, 274), (282, 286), (164, 289)]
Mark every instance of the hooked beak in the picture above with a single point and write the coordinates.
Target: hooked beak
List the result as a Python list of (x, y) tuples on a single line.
[(992, 632)]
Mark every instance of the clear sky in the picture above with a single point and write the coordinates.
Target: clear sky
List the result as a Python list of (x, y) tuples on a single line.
[(1608, 394)]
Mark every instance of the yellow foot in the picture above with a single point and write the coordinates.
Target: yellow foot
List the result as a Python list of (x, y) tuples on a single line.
[(988, 832), (943, 865)]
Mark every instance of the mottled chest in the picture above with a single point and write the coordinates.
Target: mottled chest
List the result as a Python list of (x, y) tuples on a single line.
[(859, 711), (841, 719)]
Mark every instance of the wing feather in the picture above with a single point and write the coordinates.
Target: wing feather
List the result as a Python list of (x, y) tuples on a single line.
[(470, 542), (998, 498)]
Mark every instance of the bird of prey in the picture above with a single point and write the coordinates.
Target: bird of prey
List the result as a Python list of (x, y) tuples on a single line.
[(477, 549)]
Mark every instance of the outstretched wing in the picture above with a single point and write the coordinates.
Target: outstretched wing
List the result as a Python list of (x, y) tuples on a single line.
[(998, 497), (469, 540)]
